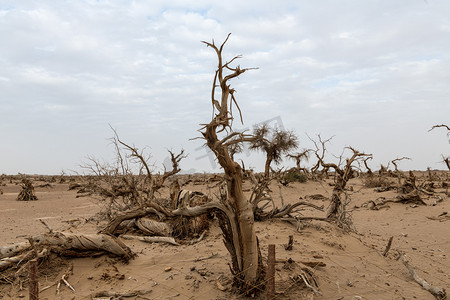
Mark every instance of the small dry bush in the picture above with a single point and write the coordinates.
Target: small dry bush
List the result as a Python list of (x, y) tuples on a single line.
[(27, 192), (376, 181)]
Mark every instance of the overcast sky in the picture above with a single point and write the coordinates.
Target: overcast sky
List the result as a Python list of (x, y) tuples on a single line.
[(373, 74)]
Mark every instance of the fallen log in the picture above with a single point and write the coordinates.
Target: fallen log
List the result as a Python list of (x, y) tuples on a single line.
[(65, 244), (412, 197), (152, 227), (381, 202), (114, 224), (12, 250), (309, 263), (117, 295), (152, 239), (84, 242), (7, 262), (440, 294)]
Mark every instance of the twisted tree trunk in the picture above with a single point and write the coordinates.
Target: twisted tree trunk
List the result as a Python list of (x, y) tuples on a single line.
[(239, 230), (267, 166)]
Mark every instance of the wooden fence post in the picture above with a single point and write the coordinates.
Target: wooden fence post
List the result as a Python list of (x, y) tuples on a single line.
[(33, 277)]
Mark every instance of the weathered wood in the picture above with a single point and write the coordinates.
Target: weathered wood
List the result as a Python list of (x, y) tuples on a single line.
[(128, 215), (440, 294), (239, 230), (33, 280), (309, 263), (152, 239), (85, 242), (8, 262), (152, 227), (412, 197), (119, 295), (66, 244), (388, 246), (290, 244), (12, 250)]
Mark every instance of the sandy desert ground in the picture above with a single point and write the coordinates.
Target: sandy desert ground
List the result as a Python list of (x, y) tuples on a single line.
[(352, 265)]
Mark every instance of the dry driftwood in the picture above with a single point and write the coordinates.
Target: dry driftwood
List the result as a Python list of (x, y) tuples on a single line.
[(12, 250), (68, 244), (85, 242), (380, 202), (117, 295), (152, 227), (128, 215), (187, 226), (152, 239), (306, 275), (8, 262), (309, 263), (179, 224), (440, 294), (445, 216), (388, 246), (412, 197)]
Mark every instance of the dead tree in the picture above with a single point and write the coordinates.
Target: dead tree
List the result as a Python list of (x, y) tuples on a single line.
[(298, 157), (397, 171), (128, 183), (369, 171), (233, 149), (274, 143), (238, 227), (152, 182), (320, 148), (443, 126), (135, 198), (445, 159), (337, 209)]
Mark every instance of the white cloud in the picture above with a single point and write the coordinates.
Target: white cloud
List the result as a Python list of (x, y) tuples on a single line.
[(356, 69)]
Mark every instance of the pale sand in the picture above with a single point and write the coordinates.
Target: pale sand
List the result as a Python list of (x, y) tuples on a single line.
[(354, 264)]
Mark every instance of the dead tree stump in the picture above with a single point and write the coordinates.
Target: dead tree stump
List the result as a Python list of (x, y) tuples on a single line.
[(27, 192)]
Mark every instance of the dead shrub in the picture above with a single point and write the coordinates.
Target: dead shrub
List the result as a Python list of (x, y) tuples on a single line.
[(376, 182), (27, 192)]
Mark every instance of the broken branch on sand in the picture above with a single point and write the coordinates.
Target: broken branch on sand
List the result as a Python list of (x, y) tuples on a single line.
[(440, 294), (388, 246), (152, 239), (67, 244), (116, 295)]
